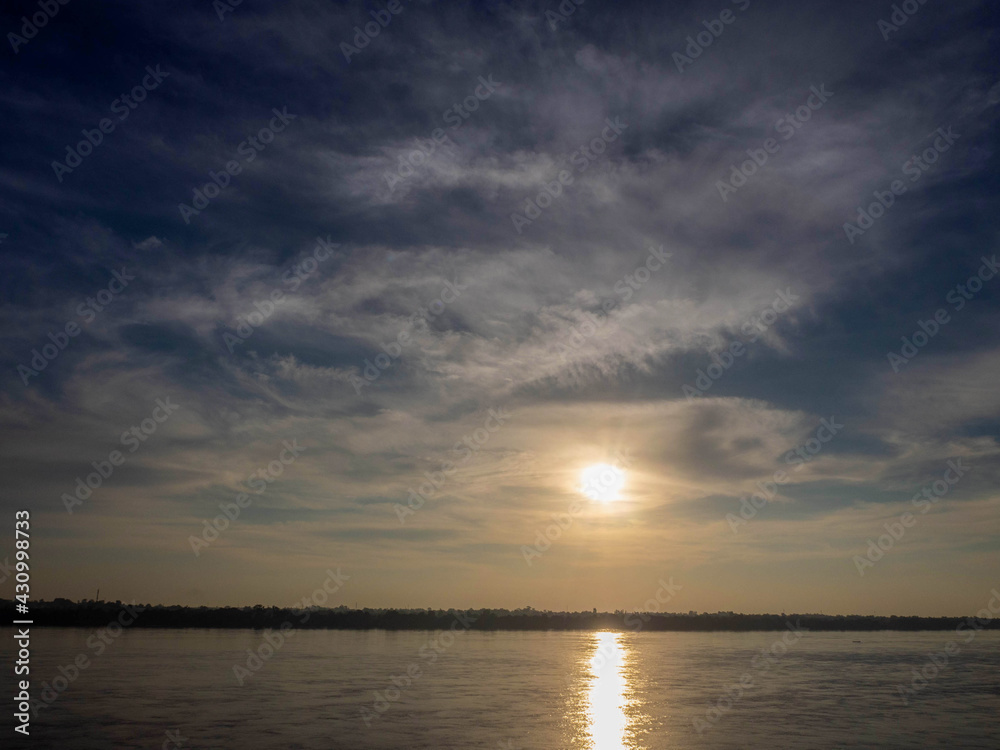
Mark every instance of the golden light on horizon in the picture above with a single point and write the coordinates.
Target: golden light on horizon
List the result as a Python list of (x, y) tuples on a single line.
[(602, 482)]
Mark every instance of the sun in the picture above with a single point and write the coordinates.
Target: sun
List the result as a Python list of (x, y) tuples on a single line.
[(602, 482)]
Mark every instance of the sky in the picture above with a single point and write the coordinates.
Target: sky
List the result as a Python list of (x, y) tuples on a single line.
[(295, 298)]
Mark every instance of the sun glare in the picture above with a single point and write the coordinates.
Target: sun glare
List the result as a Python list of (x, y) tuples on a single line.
[(608, 721), (602, 482)]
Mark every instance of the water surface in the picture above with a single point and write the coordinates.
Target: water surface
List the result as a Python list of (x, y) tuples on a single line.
[(516, 690)]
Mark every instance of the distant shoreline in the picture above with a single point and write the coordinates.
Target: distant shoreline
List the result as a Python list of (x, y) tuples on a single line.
[(64, 613)]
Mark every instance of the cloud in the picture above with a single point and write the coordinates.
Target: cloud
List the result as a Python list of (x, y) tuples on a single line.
[(520, 332)]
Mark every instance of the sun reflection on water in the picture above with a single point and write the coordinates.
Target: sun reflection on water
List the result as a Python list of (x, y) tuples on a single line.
[(606, 697)]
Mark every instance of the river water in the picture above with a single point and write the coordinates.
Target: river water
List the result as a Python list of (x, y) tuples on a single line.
[(178, 688)]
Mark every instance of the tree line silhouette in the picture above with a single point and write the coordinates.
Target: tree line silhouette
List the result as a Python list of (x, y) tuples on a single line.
[(90, 613)]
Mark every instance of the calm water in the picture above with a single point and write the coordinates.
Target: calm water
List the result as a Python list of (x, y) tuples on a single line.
[(516, 690)]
